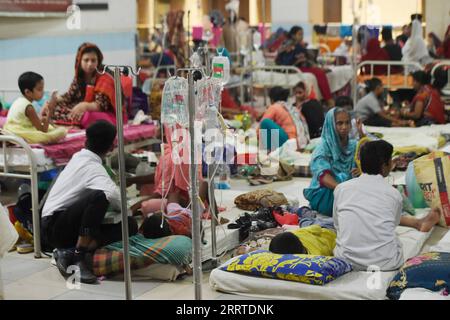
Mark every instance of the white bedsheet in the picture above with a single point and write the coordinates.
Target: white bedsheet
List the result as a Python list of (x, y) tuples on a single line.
[(18, 157), (354, 285), (426, 136), (339, 77)]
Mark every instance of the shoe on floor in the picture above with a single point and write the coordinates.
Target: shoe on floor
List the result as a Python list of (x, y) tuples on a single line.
[(24, 248), (86, 275), (64, 259)]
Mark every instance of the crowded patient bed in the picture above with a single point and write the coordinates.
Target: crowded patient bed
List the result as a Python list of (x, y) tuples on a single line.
[(353, 285)]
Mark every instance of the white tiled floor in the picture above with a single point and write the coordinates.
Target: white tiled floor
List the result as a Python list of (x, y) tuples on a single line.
[(26, 278)]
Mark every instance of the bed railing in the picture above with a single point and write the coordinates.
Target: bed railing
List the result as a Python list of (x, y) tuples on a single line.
[(389, 65), (245, 81), (32, 176)]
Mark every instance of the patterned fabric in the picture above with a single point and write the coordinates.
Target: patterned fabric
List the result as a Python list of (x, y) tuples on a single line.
[(252, 201), (62, 152), (175, 250), (429, 271), (179, 220), (314, 270)]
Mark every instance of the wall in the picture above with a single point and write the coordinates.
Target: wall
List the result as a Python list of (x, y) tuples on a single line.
[(437, 16), (287, 13), (389, 12), (47, 46)]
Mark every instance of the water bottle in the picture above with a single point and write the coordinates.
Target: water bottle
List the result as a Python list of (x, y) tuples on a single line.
[(222, 177), (143, 168), (253, 230)]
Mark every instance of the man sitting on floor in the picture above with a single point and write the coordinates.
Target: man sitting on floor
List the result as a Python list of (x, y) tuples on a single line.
[(77, 203), (367, 211)]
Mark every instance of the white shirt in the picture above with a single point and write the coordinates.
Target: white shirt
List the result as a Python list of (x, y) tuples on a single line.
[(366, 212), (84, 171)]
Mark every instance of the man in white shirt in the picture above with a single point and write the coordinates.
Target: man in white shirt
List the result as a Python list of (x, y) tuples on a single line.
[(367, 211), (78, 201)]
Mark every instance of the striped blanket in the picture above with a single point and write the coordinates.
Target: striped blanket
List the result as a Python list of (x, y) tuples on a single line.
[(175, 250)]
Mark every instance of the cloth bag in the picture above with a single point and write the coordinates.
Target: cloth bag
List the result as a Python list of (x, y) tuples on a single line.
[(254, 200)]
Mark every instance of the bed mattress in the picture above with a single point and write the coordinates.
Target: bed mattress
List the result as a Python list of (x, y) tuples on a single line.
[(354, 285)]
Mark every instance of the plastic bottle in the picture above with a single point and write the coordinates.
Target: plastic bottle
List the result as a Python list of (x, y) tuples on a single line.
[(222, 177), (221, 69), (143, 168), (253, 230)]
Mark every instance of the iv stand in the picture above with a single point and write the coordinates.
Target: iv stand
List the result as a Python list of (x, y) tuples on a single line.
[(194, 192), (123, 192)]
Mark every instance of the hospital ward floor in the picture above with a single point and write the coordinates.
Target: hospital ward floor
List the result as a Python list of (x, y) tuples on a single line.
[(27, 278)]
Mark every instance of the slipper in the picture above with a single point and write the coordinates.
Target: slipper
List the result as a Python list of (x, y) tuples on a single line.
[(24, 248)]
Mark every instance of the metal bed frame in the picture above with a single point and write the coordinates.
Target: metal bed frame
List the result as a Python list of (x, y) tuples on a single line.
[(389, 74), (31, 173), (286, 70)]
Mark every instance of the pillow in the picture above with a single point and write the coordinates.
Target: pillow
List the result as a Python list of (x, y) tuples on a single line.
[(429, 271), (315, 270)]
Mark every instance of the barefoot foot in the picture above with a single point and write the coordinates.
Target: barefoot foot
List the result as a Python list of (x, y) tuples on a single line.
[(432, 219)]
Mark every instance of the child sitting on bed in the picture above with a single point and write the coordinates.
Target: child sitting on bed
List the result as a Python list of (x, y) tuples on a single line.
[(312, 240), (22, 118), (367, 211)]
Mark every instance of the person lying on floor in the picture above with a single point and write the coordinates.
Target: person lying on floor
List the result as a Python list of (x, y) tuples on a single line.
[(369, 109), (283, 121), (22, 118), (318, 239), (332, 161), (77, 203), (367, 211)]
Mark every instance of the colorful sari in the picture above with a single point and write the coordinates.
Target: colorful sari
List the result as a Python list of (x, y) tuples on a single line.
[(329, 158), (102, 91)]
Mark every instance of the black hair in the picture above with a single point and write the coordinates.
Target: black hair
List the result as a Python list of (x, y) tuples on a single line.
[(300, 85), (440, 79), (278, 94), (421, 77), (386, 34), (29, 80), (373, 83), (344, 102), (286, 243), (151, 227), (294, 31), (100, 137), (374, 154)]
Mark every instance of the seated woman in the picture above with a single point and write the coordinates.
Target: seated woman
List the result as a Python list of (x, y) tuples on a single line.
[(332, 161), (310, 109), (293, 53), (375, 53), (91, 95), (367, 211), (284, 120), (370, 111), (427, 107)]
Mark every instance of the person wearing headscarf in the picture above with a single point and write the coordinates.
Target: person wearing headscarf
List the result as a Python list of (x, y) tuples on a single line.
[(375, 53), (91, 95), (415, 49), (332, 161)]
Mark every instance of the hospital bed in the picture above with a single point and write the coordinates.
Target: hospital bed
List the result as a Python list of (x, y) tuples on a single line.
[(20, 160), (391, 80)]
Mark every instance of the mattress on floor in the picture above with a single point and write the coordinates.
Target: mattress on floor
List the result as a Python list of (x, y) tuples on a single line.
[(226, 240), (354, 285)]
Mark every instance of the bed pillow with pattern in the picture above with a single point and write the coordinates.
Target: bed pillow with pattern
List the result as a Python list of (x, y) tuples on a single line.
[(314, 270), (429, 271)]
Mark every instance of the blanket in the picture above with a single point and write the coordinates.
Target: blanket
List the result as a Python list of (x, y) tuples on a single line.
[(63, 151), (174, 250)]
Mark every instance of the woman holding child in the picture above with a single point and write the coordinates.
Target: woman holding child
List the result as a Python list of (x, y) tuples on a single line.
[(91, 96)]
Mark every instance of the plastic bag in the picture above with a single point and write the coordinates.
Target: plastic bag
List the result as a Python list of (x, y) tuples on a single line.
[(433, 176)]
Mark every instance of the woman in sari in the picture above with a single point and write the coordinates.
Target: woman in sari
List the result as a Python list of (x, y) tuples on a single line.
[(415, 49), (332, 161), (91, 96), (284, 120)]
